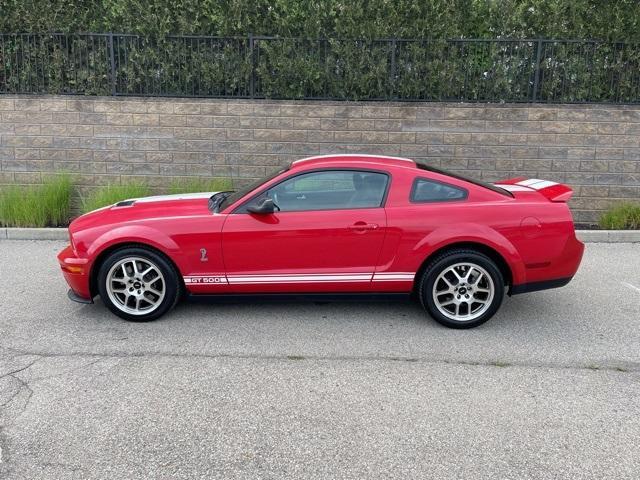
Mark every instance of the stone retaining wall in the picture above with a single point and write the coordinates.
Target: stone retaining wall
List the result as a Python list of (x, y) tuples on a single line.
[(593, 148)]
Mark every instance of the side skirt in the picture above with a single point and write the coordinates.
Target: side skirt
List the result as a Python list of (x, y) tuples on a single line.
[(297, 297), (536, 286)]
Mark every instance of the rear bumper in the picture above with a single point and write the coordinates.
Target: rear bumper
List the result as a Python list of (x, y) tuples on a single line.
[(536, 286), (76, 272), (557, 274)]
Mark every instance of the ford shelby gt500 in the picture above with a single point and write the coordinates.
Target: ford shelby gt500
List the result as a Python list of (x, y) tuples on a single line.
[(336, 225)]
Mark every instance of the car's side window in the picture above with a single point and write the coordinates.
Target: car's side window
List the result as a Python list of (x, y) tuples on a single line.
[(425, 191), (329, 190)]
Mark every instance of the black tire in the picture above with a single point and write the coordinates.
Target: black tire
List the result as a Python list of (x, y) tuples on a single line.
[(172, 284), (443, 263)]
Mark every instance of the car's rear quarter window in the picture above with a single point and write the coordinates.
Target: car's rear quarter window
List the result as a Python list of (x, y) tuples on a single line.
[(457, 176), (425, 190)]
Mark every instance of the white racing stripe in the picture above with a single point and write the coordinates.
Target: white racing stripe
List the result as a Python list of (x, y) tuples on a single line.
[(177, 196), (357, 277), (218, 279), (537, 184), (513, 188), (530, 181), (393, 277), (544, 184)]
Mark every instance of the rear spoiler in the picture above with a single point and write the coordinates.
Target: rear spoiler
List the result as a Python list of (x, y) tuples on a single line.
[(553, 191)]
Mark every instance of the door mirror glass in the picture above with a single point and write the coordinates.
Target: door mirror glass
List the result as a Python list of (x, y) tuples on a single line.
[(263, 207)]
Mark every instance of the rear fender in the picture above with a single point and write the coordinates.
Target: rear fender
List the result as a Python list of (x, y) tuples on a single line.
[(473, 233)]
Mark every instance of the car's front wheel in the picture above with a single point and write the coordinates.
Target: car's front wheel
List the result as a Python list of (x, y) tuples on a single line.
[(138, 284), (462, 288)]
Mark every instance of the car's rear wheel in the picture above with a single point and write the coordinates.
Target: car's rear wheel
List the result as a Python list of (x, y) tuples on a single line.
[(462, 288), (138, 284)]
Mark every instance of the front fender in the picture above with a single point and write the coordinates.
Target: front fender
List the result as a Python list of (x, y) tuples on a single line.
[(135, 234), (473, 233)]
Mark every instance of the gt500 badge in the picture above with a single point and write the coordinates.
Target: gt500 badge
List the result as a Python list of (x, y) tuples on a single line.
[(206, 279)]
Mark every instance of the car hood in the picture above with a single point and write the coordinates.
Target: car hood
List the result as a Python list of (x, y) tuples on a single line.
[(145, 209), (169, 198)]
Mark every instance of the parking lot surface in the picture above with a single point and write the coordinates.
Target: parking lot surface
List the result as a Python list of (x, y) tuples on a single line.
[(549, 388)]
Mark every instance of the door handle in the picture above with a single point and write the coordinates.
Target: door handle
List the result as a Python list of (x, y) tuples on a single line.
[(363, 226)]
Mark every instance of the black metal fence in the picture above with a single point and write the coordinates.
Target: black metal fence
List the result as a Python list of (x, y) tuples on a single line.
[(469, 70)]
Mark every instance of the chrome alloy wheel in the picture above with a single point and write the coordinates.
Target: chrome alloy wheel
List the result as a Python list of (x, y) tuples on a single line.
[(463, 292), (135, 285)]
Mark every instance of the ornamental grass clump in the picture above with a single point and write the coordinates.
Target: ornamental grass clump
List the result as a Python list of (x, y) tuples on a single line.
[(46, 205), (195, 185), (625, 216), (110, 194)]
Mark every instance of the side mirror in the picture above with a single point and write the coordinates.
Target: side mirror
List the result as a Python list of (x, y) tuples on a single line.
[(265, 207)]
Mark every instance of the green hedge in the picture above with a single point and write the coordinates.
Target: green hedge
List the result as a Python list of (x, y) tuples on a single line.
[(352, 63), (615, 20), (294, 68)]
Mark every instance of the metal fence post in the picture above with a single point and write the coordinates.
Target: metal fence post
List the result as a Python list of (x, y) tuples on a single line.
[(252, 78), (392, 73), (536, 78), (113, 65)]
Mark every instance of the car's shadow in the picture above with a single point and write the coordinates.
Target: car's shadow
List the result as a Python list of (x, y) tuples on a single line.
[(523, 309)]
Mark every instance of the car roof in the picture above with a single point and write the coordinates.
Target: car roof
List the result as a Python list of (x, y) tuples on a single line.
[(401, 162), (354, 157)]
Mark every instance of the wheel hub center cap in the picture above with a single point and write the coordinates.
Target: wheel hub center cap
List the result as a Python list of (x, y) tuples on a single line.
[(137, 285), (462, 290)]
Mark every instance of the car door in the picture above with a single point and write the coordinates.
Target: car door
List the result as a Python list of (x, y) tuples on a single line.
[(326, 237)]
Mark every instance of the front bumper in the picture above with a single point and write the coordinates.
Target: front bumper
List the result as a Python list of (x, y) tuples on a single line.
[(73, 296), (76, 272)]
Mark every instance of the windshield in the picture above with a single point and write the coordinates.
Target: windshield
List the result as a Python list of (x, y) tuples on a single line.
[(490, 186), (238, 194)]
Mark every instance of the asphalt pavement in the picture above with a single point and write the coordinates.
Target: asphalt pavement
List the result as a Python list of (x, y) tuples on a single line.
[(547, 389)]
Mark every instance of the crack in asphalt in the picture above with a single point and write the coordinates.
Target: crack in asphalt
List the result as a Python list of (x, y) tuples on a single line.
[(95, 358), (29, 365), (623, 367), (18, 392), (630, 286), (22, 386)]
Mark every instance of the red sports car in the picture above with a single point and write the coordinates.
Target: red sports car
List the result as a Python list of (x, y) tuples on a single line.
[(336, 225)]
